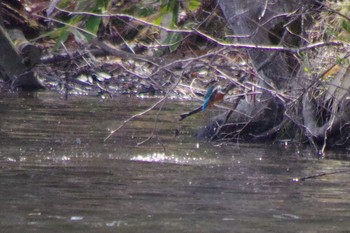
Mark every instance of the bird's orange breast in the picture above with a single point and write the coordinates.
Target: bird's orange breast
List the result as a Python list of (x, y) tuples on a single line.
[(219, 97)]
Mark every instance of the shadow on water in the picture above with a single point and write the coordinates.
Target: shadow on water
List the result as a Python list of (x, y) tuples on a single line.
[(57, 174)]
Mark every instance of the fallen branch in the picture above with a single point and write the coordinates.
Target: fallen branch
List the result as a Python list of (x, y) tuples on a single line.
[(137, 115), (55, 58), (154, 129), (108, 48), (320, 175), (143, 112)]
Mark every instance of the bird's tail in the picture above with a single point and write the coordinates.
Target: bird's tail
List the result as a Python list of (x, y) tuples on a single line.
[(187, 114)]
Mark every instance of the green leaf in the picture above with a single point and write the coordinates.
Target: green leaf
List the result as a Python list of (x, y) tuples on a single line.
[(191, 25), (174, 40), (158, 20), (175, 6), (63, 3), (53, 34), (346, 25), (194, 5), (61, 39), (145, 11), (75, 20), (171, 8), (79, 37), (101, 6), (92, 25)]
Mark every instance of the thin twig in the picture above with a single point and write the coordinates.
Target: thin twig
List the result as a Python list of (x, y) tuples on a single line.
[(132, 18), (154, 128), (332, 10), (264, 10), (137, 115), (66, 24), (319, 175), (143, 112), (194, 30), (272, 48)]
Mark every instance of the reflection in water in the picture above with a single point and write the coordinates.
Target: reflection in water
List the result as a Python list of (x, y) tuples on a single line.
[(57, 174)]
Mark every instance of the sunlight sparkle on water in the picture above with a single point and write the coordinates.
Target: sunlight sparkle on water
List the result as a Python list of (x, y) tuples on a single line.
[(172, 158), (76, 218)]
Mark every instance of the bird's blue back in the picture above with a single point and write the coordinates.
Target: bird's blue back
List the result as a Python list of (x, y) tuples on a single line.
[(208, 97)]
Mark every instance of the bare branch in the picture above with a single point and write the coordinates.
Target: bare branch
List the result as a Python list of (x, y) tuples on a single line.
[(320, 175), (145, 111), (132, 18), (65, 24), (137, 115), (194, 30), (273, 48)]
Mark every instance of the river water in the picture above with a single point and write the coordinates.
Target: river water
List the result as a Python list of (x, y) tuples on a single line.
[(58, 175)]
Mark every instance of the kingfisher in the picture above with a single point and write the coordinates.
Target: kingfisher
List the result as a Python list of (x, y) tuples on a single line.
[(214, 95)]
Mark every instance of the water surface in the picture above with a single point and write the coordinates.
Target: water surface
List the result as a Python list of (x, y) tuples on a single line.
[(57, 174)]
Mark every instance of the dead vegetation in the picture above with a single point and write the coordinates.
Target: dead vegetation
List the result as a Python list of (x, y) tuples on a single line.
[(110, 48)]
